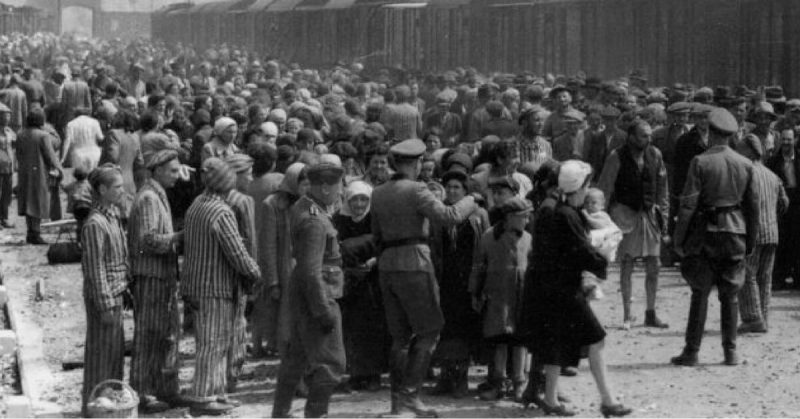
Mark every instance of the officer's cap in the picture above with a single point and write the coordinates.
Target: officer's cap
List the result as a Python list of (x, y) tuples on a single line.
[(408, 149), (723, 121), (701, 108), (325, 172)]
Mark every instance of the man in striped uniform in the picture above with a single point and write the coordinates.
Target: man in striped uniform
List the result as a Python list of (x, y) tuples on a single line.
[(154, 268), (217, 269), (315, 347), (244, 209), (105, 278)]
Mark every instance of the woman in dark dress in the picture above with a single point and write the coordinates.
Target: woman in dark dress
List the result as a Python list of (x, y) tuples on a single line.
[(366, 338), (453, 249), (559, 319)]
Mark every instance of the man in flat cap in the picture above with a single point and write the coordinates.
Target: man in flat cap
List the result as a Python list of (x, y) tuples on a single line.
[(635, 180), (665, 139), (315, 349), (14, 97), (154, 267), (773, 202), (569, 143), (716, 230), (786, 165), (556, 124), (762, 116), (689, 145), (401, 211), (597, 146)]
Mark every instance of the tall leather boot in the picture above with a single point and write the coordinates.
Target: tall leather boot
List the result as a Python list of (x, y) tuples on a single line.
[(399, 360), (319, 397), (416, 369), (282, 405), (698, 310), (729, 308)]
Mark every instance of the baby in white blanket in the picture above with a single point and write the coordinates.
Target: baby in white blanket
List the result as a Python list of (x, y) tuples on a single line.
[(604, 236)]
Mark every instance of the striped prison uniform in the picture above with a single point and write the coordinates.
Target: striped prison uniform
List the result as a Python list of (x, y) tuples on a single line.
[(154, 267), (243, 209), (215, 260), (757, 290), (105, 271)]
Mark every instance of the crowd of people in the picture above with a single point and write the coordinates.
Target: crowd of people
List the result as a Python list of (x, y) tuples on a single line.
[(356, 221)]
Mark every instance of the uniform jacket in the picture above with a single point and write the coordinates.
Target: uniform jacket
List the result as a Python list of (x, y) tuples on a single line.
[(718, 178), (15, 99), (317, 280), (401, 209), (150, 234), (597, 147), (36, 158)]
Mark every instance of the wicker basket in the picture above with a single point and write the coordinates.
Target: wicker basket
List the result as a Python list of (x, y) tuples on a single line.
[(129, 410)]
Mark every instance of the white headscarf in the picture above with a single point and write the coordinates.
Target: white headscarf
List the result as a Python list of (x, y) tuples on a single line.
[(222, 124), (356, 188), (572, 175)]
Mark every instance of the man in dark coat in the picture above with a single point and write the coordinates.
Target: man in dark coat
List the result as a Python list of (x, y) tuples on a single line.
[(597, 146), (786, 165), (717, 225)]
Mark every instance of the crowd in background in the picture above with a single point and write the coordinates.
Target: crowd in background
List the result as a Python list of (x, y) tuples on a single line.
[(206, 130)]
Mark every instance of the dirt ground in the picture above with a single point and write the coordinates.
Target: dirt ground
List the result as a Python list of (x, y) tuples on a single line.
[(764, 385)]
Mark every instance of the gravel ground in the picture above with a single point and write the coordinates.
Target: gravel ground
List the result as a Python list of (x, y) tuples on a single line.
[(764, 385)]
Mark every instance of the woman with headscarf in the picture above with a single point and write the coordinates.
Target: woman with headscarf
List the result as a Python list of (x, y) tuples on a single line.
[(221, 144), (366, 338), (453, 249), (274, 255), (559, 321)]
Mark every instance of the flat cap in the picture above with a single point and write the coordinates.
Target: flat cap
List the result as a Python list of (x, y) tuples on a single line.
[(680, 107), (610, 112), (325, 172), (157, 158), (701, 108), (723, 121), (556, 90), (774, 94), (793, 103), (764, 108), (409, 149), (462, 159)]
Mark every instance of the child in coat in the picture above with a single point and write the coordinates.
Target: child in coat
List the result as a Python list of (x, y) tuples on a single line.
[(496, 287)]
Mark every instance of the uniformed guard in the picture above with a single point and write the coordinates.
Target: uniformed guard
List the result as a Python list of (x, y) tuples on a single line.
[(315, 349), (716, 229), (401, 209)]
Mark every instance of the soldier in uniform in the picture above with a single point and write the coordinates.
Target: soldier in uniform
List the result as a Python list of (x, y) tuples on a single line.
[(716, 229), (315, 349), (402, 208)]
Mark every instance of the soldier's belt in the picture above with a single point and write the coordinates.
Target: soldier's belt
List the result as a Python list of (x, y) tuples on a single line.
[(403, 242)]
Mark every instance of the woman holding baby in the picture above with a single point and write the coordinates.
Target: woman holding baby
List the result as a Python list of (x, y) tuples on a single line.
[(558, 320)]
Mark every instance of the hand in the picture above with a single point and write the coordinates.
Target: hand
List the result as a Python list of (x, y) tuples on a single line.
[(275, 293), (667, 239), (108, 317), (177, 238)]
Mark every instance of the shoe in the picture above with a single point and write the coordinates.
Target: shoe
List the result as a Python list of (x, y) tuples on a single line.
[(230, 401), (210, 408), (410, 401), (651, 320), (492, 394), (563, 398), (36, 240), (569, 371), (519, 389), (615, 410), (150, 404), (461, 382), (559, 410), (486, 385), (731, 358), (685, 358), (752, 327), (372, 383)]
